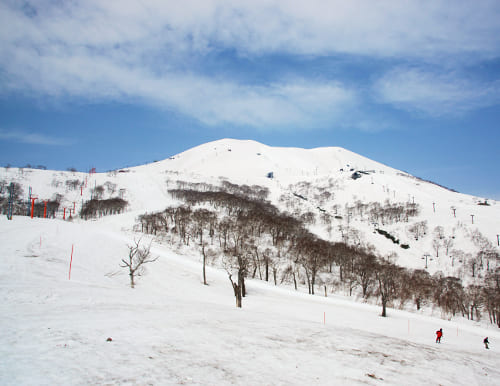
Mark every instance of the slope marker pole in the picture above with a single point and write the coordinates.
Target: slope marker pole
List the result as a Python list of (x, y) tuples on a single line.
[(70, 262)]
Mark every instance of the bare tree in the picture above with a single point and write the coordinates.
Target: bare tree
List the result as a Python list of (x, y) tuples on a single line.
[(137, 257), (237, 257), (449, 294), (201, 219), (364, 268), (475, 297), (421, 286), (492, 296), (436, 245), (473, 263), (418, 229), (387, 277), (448, 243), (310, 254), (439, 232)]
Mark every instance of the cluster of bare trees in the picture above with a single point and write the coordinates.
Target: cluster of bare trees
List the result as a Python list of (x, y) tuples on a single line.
[(98, 208), (73, 184), (252, 238), (255, 191), (12, 191), (22, 207), (384, 214), (476, 263), (46, 208)]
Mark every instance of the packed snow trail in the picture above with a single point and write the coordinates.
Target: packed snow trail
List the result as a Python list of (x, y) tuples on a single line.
[(171, 329)]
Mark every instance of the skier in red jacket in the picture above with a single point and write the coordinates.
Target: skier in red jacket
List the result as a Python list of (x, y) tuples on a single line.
[(439, 334)]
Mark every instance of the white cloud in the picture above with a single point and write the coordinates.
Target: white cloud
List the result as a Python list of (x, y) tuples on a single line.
[(62, 65), (443, 93), (31, 138), (142, 50)]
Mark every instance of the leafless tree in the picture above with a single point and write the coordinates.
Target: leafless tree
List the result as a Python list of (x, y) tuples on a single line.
[(364, 268), (439, 232), (387, 275), (492, 296), (419, 229), (449, 293), (448, 243), (237, 257), (473, 263), (311, 254), (475, 297), (201, 219), (137, 257), (436, 245), (421, 286)]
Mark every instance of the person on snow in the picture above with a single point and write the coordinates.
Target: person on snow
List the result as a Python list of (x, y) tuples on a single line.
[(486, 342), (439, 334)]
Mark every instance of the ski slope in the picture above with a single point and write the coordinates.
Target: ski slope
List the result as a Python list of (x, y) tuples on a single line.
[(327, 169), (171, 329)]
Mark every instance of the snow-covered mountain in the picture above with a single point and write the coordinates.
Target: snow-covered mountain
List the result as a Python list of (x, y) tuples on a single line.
[(69, 315), (252, 161), (327, 180)]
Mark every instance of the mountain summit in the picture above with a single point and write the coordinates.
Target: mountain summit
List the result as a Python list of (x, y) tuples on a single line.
[(247, 159)]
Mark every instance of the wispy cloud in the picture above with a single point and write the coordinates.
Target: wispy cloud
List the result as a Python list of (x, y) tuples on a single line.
[(435, 92), (31, 138), (144, 51)]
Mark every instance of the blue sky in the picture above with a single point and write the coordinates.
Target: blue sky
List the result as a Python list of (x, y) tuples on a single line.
[(110, 84)]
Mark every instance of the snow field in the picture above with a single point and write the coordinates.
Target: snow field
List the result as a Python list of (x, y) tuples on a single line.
[(171, 329)]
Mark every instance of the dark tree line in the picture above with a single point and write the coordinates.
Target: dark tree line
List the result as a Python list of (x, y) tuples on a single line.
[(22, 207), (384, 214), (47, 208), (98, 208)]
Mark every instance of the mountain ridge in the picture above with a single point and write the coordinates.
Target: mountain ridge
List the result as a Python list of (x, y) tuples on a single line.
[(323, 181)]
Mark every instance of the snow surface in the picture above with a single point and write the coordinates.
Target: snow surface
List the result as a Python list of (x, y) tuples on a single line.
[(171, 329)]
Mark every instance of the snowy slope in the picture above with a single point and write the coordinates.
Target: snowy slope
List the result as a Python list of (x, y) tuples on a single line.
[(171, 329), (324, 169)]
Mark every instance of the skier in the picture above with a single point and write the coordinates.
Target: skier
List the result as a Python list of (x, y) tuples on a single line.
[(439, 334), (486, 342)]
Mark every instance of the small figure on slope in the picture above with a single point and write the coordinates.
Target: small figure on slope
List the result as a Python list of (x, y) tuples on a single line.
[(439, 334), (486, 342)]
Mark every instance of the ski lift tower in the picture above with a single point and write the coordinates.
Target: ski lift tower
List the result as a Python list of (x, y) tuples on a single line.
[(33, 199), (11, 201)]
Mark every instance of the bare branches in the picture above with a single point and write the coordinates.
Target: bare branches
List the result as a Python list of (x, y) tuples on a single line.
[(137, 257)]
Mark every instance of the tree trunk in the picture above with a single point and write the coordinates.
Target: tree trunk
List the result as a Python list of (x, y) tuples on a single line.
[(241, 283), (237, 292), (204, 264), (308, 282)]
